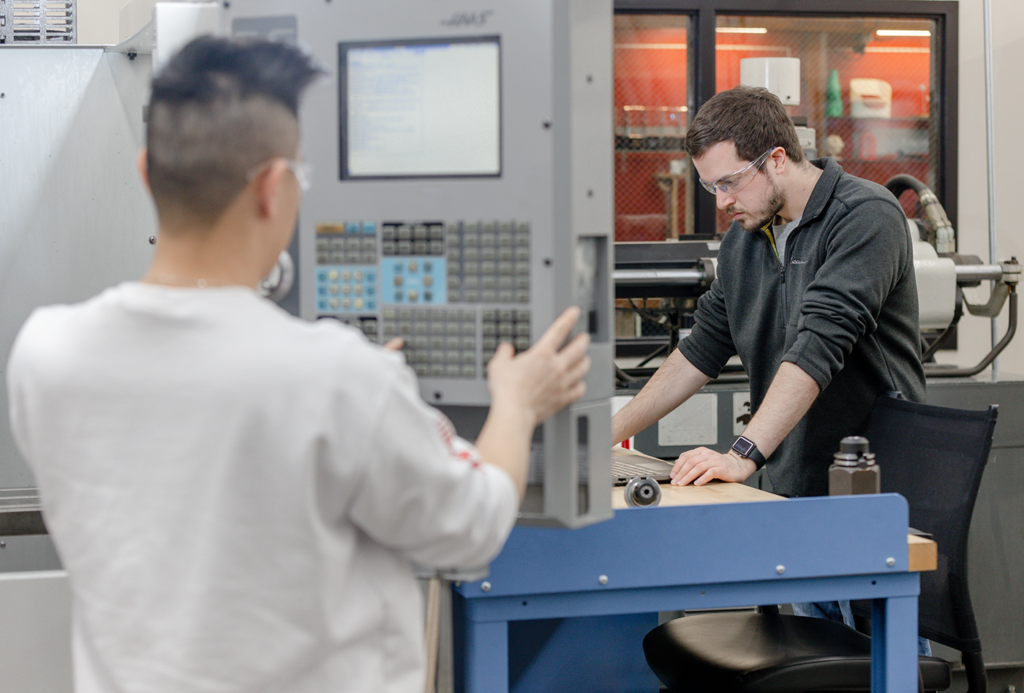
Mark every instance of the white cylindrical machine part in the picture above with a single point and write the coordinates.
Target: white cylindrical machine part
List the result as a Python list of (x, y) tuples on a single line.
[(780, 76), (936, 287)]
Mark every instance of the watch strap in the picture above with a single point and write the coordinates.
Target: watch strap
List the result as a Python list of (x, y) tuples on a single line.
[(747, 449)]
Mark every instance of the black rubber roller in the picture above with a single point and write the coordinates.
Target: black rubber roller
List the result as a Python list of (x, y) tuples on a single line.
[(642, 491)]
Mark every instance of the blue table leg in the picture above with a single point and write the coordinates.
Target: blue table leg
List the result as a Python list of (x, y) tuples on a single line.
[(485, 667), (894, 645)]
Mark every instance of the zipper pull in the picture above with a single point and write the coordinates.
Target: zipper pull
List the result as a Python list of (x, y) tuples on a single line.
[(782, 274)]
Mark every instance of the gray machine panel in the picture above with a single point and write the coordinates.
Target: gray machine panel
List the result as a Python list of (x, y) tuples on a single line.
[(457, 259)]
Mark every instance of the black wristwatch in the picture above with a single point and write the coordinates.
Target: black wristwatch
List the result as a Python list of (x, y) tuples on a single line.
[(747, 448)]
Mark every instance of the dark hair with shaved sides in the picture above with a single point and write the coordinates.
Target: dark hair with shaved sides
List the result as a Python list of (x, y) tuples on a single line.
[(219, 109)]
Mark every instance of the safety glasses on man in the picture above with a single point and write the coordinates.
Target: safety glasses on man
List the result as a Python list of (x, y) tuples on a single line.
[(734, 182)]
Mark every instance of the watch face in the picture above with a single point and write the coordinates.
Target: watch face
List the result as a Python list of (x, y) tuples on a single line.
[(743, 446)]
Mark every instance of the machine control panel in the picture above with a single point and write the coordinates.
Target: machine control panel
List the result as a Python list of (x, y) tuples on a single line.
[(461, 199), (453, 290)]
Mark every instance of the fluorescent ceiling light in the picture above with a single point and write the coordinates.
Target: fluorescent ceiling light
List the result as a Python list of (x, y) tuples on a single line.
[(903, 32), (741, 30)]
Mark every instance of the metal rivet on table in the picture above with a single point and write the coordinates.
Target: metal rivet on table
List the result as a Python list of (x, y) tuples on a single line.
[(603, 579), (485, 587), (780, 569), (890, 562)]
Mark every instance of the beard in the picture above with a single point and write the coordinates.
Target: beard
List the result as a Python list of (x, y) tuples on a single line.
[(773, 204)]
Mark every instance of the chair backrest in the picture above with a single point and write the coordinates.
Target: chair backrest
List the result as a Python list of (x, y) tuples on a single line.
[(934, 457)]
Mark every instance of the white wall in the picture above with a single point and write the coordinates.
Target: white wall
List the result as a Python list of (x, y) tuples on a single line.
[(1008, 60), (98, 21)]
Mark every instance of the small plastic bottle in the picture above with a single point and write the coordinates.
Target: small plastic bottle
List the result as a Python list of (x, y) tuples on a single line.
[(833, 96)]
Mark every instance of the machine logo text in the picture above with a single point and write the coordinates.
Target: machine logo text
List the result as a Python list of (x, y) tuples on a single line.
[(468, 19)]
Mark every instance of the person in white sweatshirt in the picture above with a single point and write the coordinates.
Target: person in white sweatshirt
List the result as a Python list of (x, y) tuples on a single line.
[(236, 494)]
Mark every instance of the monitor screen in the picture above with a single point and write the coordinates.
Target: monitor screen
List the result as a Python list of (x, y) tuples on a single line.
[(425, 108)]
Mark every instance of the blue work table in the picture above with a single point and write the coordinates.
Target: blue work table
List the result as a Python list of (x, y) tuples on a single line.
[(566, 610)]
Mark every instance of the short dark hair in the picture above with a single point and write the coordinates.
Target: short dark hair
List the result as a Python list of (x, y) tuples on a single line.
[(217, 110), (752, 118)]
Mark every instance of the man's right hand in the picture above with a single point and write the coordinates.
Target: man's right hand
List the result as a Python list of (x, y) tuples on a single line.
[(545, 377), (528, 388)]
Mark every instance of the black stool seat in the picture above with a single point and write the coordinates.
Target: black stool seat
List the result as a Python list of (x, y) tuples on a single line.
[(768, 653)]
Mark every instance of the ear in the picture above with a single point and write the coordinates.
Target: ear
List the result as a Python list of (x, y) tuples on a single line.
[(142, 162), (268, 187), (779, 158)]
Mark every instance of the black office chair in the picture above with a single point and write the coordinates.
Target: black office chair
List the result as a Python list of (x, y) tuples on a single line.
[(933, 456)]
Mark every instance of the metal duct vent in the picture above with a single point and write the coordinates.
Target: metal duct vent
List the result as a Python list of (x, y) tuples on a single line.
[(25, 22)]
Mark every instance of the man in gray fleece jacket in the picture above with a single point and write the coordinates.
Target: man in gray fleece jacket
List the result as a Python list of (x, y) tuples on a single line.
[(815, 292)]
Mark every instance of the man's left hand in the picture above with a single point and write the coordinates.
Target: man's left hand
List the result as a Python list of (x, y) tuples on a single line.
[(701, 465)]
